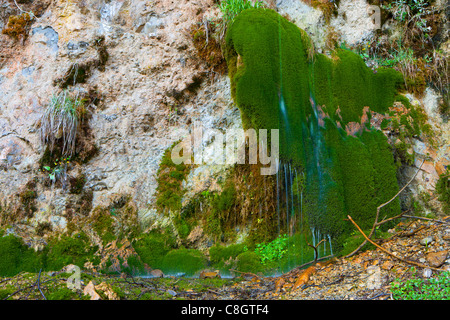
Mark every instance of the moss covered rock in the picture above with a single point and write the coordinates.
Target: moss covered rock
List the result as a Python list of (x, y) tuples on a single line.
[(186, 261), (279, 82), (249, 261), (63, 250), (15, 257)]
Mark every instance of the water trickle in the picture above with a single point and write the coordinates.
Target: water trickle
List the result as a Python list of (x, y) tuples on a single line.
[(292, 228), (331, 248)]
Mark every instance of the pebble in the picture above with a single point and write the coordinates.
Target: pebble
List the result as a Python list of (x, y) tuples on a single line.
[(171, 292), (157, 273), (427, 272), (426, 241)]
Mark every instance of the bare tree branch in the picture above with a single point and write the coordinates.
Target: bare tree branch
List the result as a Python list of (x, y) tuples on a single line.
[(390, 253), (376, 224)]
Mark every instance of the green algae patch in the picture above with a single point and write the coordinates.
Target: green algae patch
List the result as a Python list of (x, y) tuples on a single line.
[(249, 261)]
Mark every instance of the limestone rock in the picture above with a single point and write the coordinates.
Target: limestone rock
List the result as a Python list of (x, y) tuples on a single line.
[(374, 278), (89, 290), (354, 22)]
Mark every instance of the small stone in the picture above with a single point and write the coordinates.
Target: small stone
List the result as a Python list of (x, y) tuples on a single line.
[(209, 274), (374, 279), (426, 241), (157, 273), (437, 259), (387, 265), (427, 272), (171, 292), (70, 268)]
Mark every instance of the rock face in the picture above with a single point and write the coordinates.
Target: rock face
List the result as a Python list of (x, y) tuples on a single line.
[(148, 85), (135, 65)]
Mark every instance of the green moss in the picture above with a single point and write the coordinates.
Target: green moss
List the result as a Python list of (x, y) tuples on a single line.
[(187, 261), (261, 77), (4, 293), (353, 241), (413, 122), (271, 71), (152, 247), (182, 226), (103, 224), (134, 265), (221, 208), (170, 176), (298, 253), (62, 294), (249, 261), (279, 82), (443, 189), (386, 185), (64, 250), (15, 257), (219, 253), (225, 200), (355, 86)]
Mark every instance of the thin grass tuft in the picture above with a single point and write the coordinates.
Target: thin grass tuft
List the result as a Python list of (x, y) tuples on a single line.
[(60, 121)]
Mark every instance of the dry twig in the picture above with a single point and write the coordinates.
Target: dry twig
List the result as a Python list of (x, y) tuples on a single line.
[(390, 253), (428, 219), (316, 255), (376, 223), (245, 273)]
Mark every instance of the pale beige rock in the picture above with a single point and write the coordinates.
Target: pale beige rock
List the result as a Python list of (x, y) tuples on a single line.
[(89, 290), (157, 273)]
